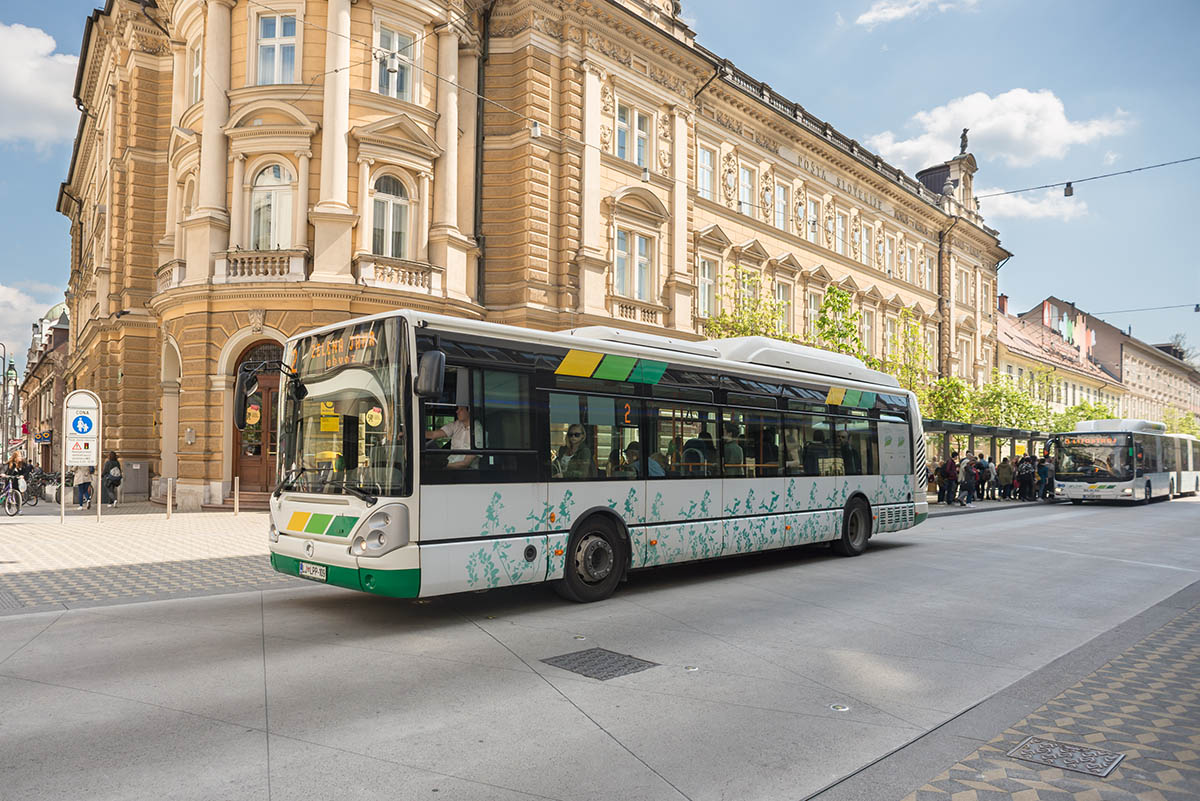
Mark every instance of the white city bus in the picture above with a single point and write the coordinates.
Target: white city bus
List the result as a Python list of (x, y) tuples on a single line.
[(1129, 460), (577, 456)]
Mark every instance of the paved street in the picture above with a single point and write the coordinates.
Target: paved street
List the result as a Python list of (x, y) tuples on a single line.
[(943, 644)]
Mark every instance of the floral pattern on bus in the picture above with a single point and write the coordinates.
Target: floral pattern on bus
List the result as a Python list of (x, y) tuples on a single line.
[(502, 562)]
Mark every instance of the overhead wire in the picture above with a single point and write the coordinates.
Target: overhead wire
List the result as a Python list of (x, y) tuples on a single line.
[(1092, 178)]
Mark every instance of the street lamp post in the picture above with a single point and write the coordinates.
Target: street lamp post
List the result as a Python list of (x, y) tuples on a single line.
[(4, 400), (10, 377)]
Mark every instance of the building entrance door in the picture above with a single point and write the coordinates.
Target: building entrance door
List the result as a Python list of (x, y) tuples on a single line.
[(255, 448)]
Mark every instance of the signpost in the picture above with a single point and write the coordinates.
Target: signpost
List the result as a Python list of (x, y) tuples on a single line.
[(82, 423)]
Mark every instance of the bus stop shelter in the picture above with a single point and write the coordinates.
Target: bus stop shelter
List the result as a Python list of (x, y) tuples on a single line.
[(995, 436)]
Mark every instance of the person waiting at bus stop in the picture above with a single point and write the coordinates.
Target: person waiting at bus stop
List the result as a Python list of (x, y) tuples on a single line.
[(458, 431), (950, 477)]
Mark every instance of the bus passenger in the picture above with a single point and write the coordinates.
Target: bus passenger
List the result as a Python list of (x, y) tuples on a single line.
[(633, 457), (459, 433), (574, 458), (734, 458)]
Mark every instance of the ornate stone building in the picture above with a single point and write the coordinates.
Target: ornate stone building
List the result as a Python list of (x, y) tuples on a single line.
[(247, 169), (43, 388)]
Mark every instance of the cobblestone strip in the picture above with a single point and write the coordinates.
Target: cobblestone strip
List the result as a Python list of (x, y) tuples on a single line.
[(106, 584), (1144, 704)]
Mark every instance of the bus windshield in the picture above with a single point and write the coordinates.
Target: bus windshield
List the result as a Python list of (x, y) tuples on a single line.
[(347, 434), (1094, 457)]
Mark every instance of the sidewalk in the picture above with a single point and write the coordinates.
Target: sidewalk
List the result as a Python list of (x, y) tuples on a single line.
[(133, 553), (946, 510)]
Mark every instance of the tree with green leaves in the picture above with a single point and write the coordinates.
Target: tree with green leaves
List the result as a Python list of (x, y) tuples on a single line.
[(908, 357), (948, 398), (839, 325), (1180, 421), (748, 307), (1086, 410), (1002, 402)]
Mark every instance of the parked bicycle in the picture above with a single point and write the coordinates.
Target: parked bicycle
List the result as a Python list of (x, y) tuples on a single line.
[(13, 498), (34, 487)]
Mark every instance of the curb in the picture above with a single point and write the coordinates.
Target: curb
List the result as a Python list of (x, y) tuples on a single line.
[(1000, 506)]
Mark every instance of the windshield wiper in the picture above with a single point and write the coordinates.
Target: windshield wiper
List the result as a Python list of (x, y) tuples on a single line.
[(355, 491), (288, 482)]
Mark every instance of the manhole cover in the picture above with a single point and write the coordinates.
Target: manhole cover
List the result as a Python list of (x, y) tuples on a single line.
[(9, 601), (1079, 758), (598, 663)]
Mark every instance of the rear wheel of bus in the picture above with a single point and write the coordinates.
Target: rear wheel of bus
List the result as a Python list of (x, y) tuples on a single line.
[(856, 528)]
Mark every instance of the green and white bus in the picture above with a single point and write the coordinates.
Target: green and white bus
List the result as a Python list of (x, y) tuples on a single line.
[(421, 455), (1125, 460)]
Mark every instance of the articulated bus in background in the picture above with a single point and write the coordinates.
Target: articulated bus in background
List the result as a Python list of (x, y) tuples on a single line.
[(1129, 460), (576, 456)]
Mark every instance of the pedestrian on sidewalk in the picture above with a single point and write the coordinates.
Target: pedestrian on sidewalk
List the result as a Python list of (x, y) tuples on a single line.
[(968, 478), (939, 480), (985, 473), (110, 479), (1026, 476), (1004, 475), (83, 487), (950, 477)]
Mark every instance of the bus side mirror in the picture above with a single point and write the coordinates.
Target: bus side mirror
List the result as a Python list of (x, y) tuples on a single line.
[(431, 373), (245, 386)]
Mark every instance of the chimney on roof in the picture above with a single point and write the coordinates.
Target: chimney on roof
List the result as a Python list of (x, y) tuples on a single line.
[(1002, 303)]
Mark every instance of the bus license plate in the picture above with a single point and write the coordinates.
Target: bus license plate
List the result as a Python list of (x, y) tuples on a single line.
[(314, 572)]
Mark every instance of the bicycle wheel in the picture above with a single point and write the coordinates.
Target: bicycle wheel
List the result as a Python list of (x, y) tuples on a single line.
[(12, 502), (33, 496)]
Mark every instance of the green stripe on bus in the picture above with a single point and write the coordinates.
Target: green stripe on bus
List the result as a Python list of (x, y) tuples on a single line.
[(342, 526), (393, 583), (337, 576), (317, 524), (648, 372), (867, 400), (852, 397), (615, 368)]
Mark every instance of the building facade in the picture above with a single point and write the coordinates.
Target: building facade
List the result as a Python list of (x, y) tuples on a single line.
[(43, 388), (262, 168), (1056, 371), (1155, 379)]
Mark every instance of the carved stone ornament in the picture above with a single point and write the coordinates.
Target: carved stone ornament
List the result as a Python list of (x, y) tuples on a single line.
[(767, 193), (855, 236), (606, 98), (829, 224), (605, 137), (257, 316), (729, 176), (800, 217), (664, 126), (879, 248), (664, 159)]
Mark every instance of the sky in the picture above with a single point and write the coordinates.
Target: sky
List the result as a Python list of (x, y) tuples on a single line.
[(1052, 91)]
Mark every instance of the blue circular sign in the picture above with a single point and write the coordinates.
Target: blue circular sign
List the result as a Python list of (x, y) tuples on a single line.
[(82, 424)]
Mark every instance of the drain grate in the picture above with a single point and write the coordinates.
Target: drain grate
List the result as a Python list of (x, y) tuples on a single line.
[(598, 663), (1079, 758)]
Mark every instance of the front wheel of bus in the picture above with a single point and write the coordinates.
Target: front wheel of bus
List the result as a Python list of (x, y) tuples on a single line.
[(856, 528), (595, 562)]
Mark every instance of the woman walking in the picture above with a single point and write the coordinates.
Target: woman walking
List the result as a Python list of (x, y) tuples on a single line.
[(83, 487), (110, 479)]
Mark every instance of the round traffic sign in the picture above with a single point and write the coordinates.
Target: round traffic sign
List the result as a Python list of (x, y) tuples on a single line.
[(82, 424)]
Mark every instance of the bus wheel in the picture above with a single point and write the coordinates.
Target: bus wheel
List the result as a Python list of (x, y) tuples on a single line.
[(595, 562), (1077, 501), (856, 528)]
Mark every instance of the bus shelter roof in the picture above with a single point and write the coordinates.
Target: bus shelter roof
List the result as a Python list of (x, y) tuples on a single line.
[(955, 427)]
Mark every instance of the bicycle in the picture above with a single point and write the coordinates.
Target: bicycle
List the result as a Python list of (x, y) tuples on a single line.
[(33, 488), (13, 499)]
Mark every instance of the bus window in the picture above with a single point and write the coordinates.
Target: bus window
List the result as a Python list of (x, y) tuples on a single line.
[(760, 441), (858, 446), (800, 450), (594, 437), (684, 441)]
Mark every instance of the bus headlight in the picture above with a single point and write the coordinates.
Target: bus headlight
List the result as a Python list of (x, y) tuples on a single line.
[(1127, 491), (384, 531), (273, 533)]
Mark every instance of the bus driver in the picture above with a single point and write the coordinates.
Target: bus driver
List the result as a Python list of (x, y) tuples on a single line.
[(459, 433)]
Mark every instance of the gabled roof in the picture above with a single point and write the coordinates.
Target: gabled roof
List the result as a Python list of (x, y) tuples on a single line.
[(1035, 341), (714, 236), (753, 249)]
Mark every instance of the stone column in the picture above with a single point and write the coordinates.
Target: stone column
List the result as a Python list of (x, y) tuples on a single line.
[(424, 181), (166, 245), (448, 248), (332, 217), (208, 226), (364, 198), (300, 224), (236, 206)]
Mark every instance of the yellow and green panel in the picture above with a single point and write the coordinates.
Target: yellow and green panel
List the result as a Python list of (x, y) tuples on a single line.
[(316, 523), (610, 367), (851, 398)]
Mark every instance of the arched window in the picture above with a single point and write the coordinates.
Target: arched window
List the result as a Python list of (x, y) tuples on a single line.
[(390, 233), (271, 209)]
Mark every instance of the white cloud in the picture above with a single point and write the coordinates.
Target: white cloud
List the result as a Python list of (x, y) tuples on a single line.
[(1110, 158), (1019, 126), (18, 312), (839, 19), (1047, 205), (883, 11), (35, 88)]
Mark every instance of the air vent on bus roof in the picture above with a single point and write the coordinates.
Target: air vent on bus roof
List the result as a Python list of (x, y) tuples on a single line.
[(636, 338), (1126, 424), (773, 353)]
